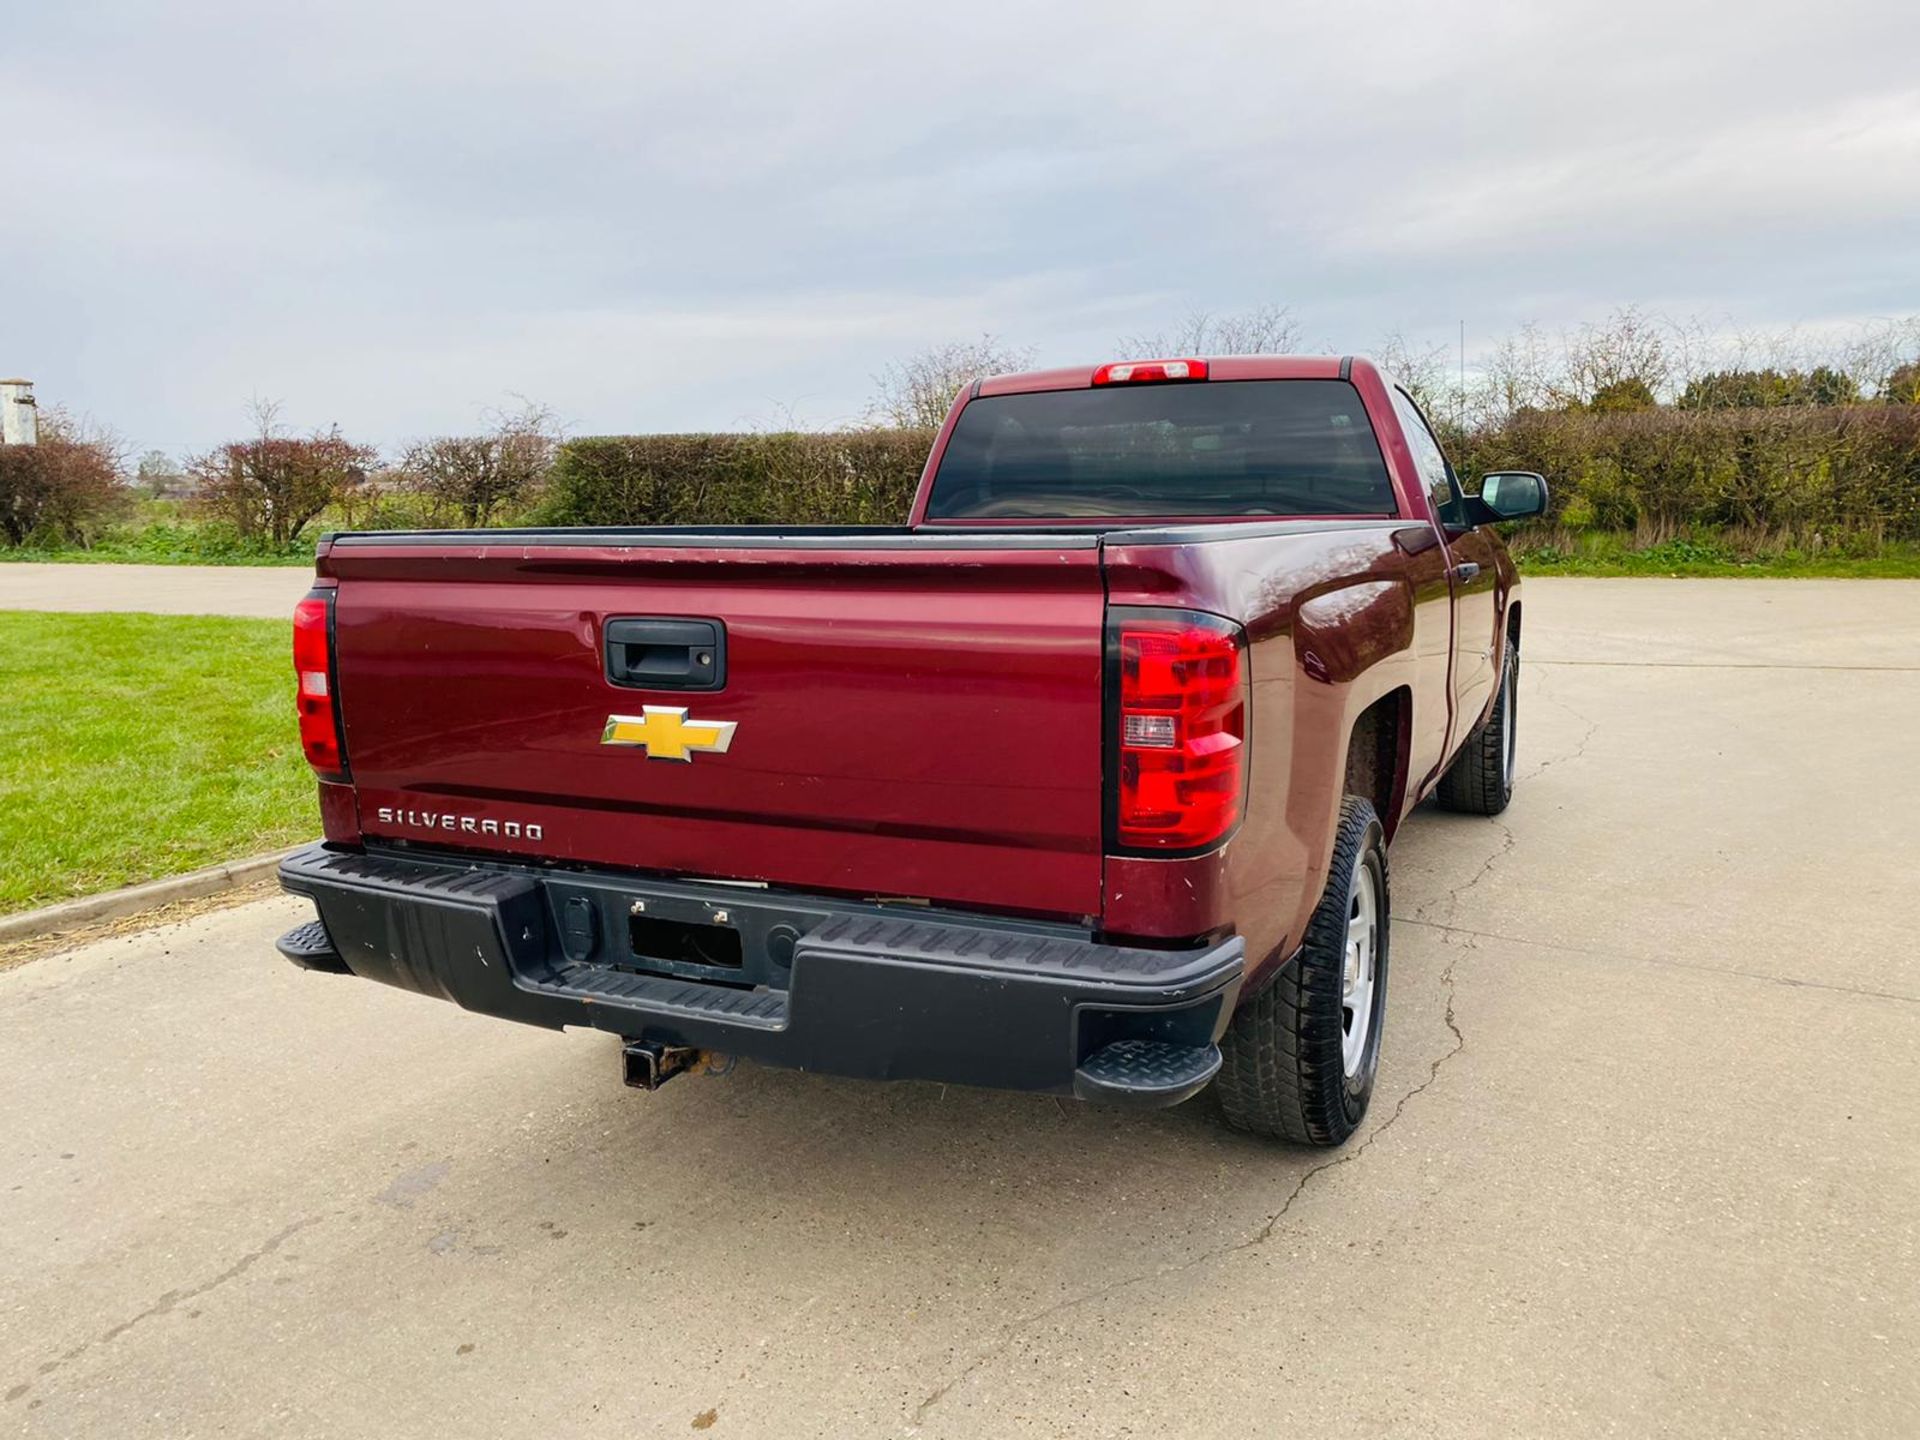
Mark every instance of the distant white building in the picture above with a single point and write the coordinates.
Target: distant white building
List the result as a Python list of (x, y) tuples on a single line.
[(19, 420)]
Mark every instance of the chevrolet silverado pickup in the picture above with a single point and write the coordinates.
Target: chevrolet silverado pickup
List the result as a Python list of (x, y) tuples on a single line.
[(1080, 782)]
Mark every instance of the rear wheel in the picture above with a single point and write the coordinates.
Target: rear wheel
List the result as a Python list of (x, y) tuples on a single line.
[(1480, 780), (1298, 1060)]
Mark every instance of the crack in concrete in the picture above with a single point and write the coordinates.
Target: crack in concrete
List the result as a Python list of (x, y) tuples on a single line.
[(170, 1301), (1507, 842), (1272, 1224), (1260, 1237), (1579, 750), (1448, 932), (1452, 898)]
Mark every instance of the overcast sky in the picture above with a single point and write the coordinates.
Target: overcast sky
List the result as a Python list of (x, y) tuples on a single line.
[(711, 216)]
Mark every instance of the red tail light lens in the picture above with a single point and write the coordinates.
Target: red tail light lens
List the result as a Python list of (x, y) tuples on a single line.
[(1181, 727), (1138, 372), (313, 670)]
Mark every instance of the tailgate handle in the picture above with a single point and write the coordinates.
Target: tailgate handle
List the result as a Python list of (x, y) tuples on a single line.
[(667, 654)]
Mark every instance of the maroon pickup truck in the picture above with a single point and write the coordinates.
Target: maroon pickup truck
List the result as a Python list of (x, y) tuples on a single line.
[(1080, 782)]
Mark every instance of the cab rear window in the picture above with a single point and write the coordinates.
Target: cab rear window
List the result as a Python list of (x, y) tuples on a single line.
[(1238, 447)]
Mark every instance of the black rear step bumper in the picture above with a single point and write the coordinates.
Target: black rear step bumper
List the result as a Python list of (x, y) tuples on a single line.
[(840, 987)]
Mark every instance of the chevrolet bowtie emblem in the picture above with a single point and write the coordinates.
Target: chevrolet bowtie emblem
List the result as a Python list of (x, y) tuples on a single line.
[(665, 733)]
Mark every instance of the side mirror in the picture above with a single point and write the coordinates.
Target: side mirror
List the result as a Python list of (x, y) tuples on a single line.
[(1513, 494)]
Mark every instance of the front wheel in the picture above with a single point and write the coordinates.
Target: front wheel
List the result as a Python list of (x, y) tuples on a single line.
[(1480, 780), (1298, 1060)]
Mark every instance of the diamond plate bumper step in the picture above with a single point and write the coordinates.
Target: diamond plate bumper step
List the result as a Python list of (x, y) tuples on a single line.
[(1146, 1072), (311, 948)]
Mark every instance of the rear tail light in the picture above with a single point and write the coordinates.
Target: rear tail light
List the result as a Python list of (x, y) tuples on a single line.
[(1137, 372), (315, 698), (1179, 707)]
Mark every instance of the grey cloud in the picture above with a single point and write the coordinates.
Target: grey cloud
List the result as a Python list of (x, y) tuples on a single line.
[(703, 216)]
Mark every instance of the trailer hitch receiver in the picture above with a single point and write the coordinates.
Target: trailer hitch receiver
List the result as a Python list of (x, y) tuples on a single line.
[(647, 1065)]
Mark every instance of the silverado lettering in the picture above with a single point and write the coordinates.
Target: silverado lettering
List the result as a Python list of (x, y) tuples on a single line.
[(1079, 782), (466, 824)]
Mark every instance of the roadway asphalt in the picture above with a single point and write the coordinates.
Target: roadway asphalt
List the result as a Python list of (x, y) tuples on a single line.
[(1644, 1159)]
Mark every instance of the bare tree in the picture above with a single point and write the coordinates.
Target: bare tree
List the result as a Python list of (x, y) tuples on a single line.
[(472, 478), (1901, 385), (1605, 359), (1263, 330), (1424, 371), (159, 476), (1694, 347), (916, 393), (1519, 374), (1875, 351), (274, 485)]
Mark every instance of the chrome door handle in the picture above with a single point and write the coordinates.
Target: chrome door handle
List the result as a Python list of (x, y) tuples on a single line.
[(1465, 571)]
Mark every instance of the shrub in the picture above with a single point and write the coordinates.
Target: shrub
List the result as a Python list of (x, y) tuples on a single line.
[(210, 542), (1810, 470), (1902, 384), (63, 491), (271, 487), (860, 477), (1622, 397), (1754, 389), (471, 480)]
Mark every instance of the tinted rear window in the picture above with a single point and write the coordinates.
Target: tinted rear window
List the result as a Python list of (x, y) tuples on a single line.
[(1241, 447)]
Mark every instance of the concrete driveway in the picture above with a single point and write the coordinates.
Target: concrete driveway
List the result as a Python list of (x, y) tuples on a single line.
[(1644, 1159), (267, 591)]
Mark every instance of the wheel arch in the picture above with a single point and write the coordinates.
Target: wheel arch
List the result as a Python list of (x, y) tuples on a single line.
[(1378, 745)]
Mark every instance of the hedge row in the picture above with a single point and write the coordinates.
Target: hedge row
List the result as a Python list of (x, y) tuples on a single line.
[(864, 477), (1807, 471), (1830, 470)]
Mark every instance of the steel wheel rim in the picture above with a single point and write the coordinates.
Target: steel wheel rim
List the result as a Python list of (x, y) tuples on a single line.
[(1508, 737), (1359, 969)]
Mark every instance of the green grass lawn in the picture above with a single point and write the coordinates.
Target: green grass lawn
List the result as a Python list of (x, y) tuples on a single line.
[(165, 545), (1604, 554), (139, 555), (136, 746)]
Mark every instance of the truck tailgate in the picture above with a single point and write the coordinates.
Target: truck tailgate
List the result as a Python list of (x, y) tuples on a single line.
[(915, 719)]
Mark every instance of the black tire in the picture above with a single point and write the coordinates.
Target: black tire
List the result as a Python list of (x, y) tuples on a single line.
[(1480, 780), (1283, 1071)]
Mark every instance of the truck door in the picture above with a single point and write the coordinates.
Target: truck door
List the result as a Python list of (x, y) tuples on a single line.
[(1476, 611)]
